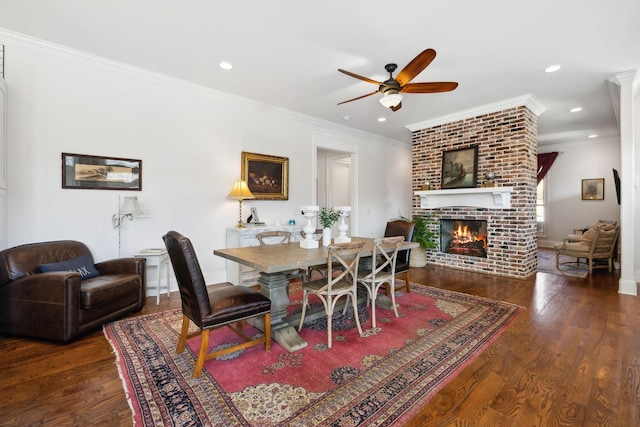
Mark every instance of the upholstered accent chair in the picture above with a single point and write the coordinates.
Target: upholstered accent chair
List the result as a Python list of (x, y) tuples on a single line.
[(214, 306), (595, 245)]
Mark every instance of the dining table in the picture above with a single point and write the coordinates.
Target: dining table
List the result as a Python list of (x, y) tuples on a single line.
[(275, 262)]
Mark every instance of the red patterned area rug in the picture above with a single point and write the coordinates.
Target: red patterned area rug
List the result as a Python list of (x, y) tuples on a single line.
[(380, 378)]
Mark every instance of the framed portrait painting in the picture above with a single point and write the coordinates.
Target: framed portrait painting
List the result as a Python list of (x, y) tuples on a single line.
[(460, 168), (83, 171), (267, 176)]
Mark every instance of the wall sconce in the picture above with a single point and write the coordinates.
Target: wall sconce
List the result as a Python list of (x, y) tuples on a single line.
[(240, 191), (128, 209)]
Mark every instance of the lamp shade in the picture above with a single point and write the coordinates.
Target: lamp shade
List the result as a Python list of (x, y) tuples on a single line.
[(391, 99), (240, 191), (130, 205)]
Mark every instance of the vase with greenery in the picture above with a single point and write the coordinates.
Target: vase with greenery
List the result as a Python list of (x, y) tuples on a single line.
[(328, 217)]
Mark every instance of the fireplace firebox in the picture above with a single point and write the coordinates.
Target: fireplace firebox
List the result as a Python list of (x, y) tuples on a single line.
[(464, 237)]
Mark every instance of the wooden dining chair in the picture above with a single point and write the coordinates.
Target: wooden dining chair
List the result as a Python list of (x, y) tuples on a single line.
[(383, 271), (214, 306), (330, 289)]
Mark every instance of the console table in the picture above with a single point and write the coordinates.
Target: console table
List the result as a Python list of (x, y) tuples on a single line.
[(244, 275)]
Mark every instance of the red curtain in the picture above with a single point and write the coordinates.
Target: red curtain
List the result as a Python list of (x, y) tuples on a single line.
[(545, 160)]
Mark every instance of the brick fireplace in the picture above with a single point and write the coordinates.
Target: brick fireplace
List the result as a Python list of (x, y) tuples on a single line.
[(507, 146)]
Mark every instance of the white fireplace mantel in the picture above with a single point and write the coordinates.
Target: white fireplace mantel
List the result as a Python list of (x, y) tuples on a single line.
[(486, 197)]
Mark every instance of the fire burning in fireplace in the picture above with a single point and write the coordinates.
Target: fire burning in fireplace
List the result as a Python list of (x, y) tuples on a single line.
[(464, 237)]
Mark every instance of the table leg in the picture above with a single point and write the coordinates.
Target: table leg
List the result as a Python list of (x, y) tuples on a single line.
[(159, 283), (167, 268), (275, 287)]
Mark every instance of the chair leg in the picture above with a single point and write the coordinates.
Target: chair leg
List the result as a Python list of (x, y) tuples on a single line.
[(183, 334), (267, 332), (373, 308), (204, 343), (387, 288), (305, 301), (329, 323), (354, 298), (393, 298)]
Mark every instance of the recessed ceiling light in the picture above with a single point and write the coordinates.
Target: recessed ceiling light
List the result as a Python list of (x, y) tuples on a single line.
[(552, 68), (382, 119), (226, 65), (575, 110), (346, 118), (593, 135)]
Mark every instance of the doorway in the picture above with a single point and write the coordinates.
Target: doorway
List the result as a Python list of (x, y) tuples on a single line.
[(335, 182)]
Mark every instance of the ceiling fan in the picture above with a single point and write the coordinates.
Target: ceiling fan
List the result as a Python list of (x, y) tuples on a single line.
[(391, 88)]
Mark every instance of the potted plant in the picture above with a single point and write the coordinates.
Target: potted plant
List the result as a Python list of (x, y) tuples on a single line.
[(328, 217), (424, 236)]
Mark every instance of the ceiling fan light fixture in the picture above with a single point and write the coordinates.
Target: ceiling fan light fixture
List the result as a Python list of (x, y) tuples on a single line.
[(391, 99)]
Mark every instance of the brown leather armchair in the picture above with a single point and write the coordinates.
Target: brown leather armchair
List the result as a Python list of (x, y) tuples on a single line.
[(59, 305)]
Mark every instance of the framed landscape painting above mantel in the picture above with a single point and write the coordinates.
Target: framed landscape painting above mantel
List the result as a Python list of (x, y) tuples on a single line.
[(267, 176), (460, 168)]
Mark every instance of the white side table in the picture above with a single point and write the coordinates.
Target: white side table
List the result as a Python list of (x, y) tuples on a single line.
[(157, 258)]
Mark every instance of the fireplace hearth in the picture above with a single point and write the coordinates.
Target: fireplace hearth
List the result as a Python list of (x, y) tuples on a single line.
[(464, 237)]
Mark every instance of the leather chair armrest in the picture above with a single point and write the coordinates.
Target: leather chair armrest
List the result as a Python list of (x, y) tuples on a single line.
[(45, 305), (55, 287), (122, 266), (130, 265)]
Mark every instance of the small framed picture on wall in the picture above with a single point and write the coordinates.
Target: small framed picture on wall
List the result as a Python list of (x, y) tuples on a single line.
[(593, 189)]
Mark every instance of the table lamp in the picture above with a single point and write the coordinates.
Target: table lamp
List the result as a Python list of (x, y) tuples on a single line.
[(240, 191)]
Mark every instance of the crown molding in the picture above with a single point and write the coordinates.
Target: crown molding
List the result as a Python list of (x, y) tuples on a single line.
[(529, 100)]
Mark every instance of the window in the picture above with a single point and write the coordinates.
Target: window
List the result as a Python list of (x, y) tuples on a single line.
[(540, 207)]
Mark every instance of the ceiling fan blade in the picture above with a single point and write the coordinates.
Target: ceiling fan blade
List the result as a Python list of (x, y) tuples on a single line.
[(416, 66), (397, 107), (360, 97), (429, 87), (364, 79)]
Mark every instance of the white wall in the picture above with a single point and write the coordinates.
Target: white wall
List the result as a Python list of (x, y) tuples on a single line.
[(565, 208), (190, 141)]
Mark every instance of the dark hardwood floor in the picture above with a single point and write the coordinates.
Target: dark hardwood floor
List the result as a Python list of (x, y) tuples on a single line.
[(572, 358)]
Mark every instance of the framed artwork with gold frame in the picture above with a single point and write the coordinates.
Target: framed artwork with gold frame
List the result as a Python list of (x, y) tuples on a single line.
[(267, 176), (593, 189)]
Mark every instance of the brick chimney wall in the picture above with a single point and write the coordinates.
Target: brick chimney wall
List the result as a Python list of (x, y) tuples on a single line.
[(507, 146)]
